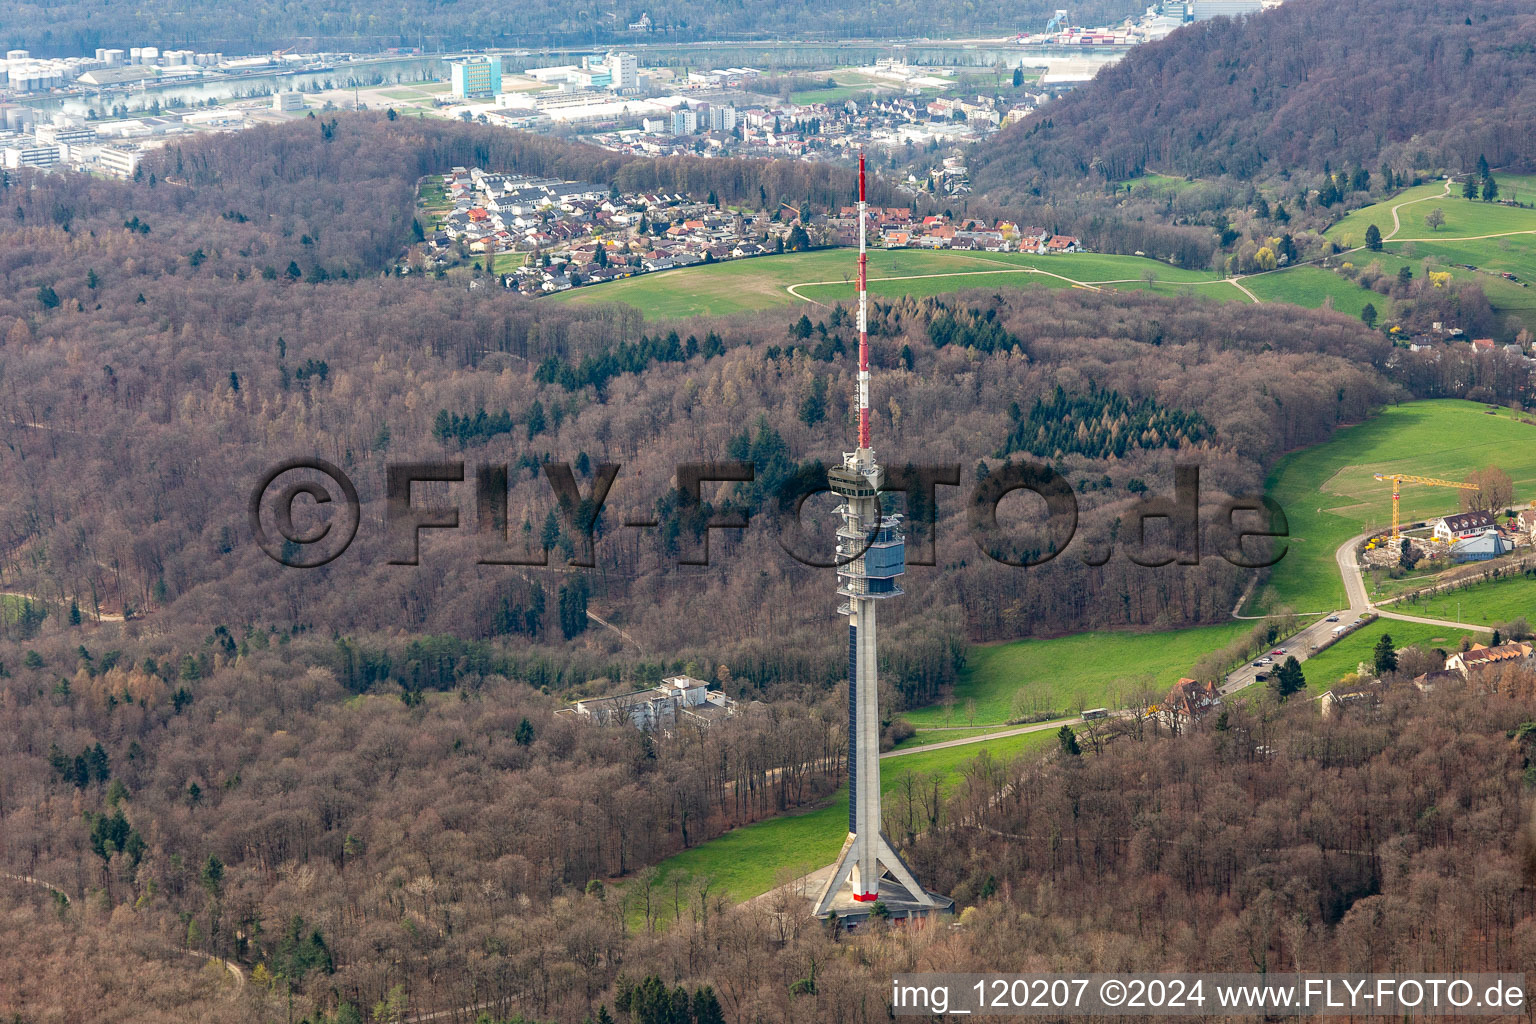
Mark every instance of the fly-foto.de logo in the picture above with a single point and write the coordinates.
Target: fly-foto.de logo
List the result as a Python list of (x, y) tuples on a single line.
[(1156, 530)]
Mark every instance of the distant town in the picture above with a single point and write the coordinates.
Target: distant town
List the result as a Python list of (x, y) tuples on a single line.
[(102, 112), (565, 234)]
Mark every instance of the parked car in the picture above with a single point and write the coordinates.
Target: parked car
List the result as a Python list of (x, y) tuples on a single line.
[(1332, 618), (1278, 651)]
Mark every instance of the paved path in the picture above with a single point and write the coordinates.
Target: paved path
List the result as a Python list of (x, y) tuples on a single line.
[(1397, 225), (1016, 730), (1238, 284), (1467, 238)]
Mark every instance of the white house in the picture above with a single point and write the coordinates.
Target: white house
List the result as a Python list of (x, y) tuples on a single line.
[(1462, 524)]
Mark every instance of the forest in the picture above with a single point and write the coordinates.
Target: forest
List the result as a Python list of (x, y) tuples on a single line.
[(372, 859), (1306, 87), (79, 26), (167, 384), (351, 781)]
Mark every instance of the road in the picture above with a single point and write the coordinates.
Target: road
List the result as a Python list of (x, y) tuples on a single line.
[(1360, 604)]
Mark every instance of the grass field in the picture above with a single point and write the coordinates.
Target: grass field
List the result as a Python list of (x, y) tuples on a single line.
[(1462, 216), (1329, 495), (746, 861), (1154, 184), (738, 286), (1514, 253), (1484, 604), (826, 276), (1059, 674), (1454, 245), (1310, 286), (1327, 667)]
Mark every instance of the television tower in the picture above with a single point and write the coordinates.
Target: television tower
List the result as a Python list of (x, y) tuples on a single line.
[(871, 555)]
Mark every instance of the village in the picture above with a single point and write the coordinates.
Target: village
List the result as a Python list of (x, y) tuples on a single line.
[(542, 235)]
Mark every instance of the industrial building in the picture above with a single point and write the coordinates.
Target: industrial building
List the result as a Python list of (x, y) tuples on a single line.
[(1486, 545), (623, 71), (288, 101), (40, 157), (1204, 10), (477, 77)]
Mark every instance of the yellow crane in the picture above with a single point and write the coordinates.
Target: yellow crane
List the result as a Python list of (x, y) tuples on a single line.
[(1397, 482)]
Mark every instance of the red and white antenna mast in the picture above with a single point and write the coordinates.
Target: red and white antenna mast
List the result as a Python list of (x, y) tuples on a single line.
[(863, 315)]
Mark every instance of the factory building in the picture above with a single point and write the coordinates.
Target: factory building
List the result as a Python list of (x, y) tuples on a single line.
[(624, 71), (40, 157), (476, 77), (1204, 10), (288, 102)]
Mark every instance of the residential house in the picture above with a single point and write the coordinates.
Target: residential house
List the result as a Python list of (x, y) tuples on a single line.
[(1480, 656), (1189, 701), (1462, 524)]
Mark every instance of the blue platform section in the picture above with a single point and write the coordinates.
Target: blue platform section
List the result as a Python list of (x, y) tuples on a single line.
[(853, 726)]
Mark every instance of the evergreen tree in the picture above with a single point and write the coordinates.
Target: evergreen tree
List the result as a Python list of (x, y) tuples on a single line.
[(1373, 238), (1368, 315), (1288, 678), (1068, 740), (706, 1007), (1469, 188), (1385, 655), (524, 734), (1490, 189), (573, 608)]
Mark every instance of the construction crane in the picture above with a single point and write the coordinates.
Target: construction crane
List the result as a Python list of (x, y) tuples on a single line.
[(1059, 21), (1397, 482)]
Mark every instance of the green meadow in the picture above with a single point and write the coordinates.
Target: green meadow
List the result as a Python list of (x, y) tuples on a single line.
[(1329, 494), (748, 861), (1064, 673)]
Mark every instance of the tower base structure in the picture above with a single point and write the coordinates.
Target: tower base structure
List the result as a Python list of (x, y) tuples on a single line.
[(845, 898)]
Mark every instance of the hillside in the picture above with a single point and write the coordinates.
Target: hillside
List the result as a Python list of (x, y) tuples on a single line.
[(361, 784), (77, 26), (1311, 85)]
